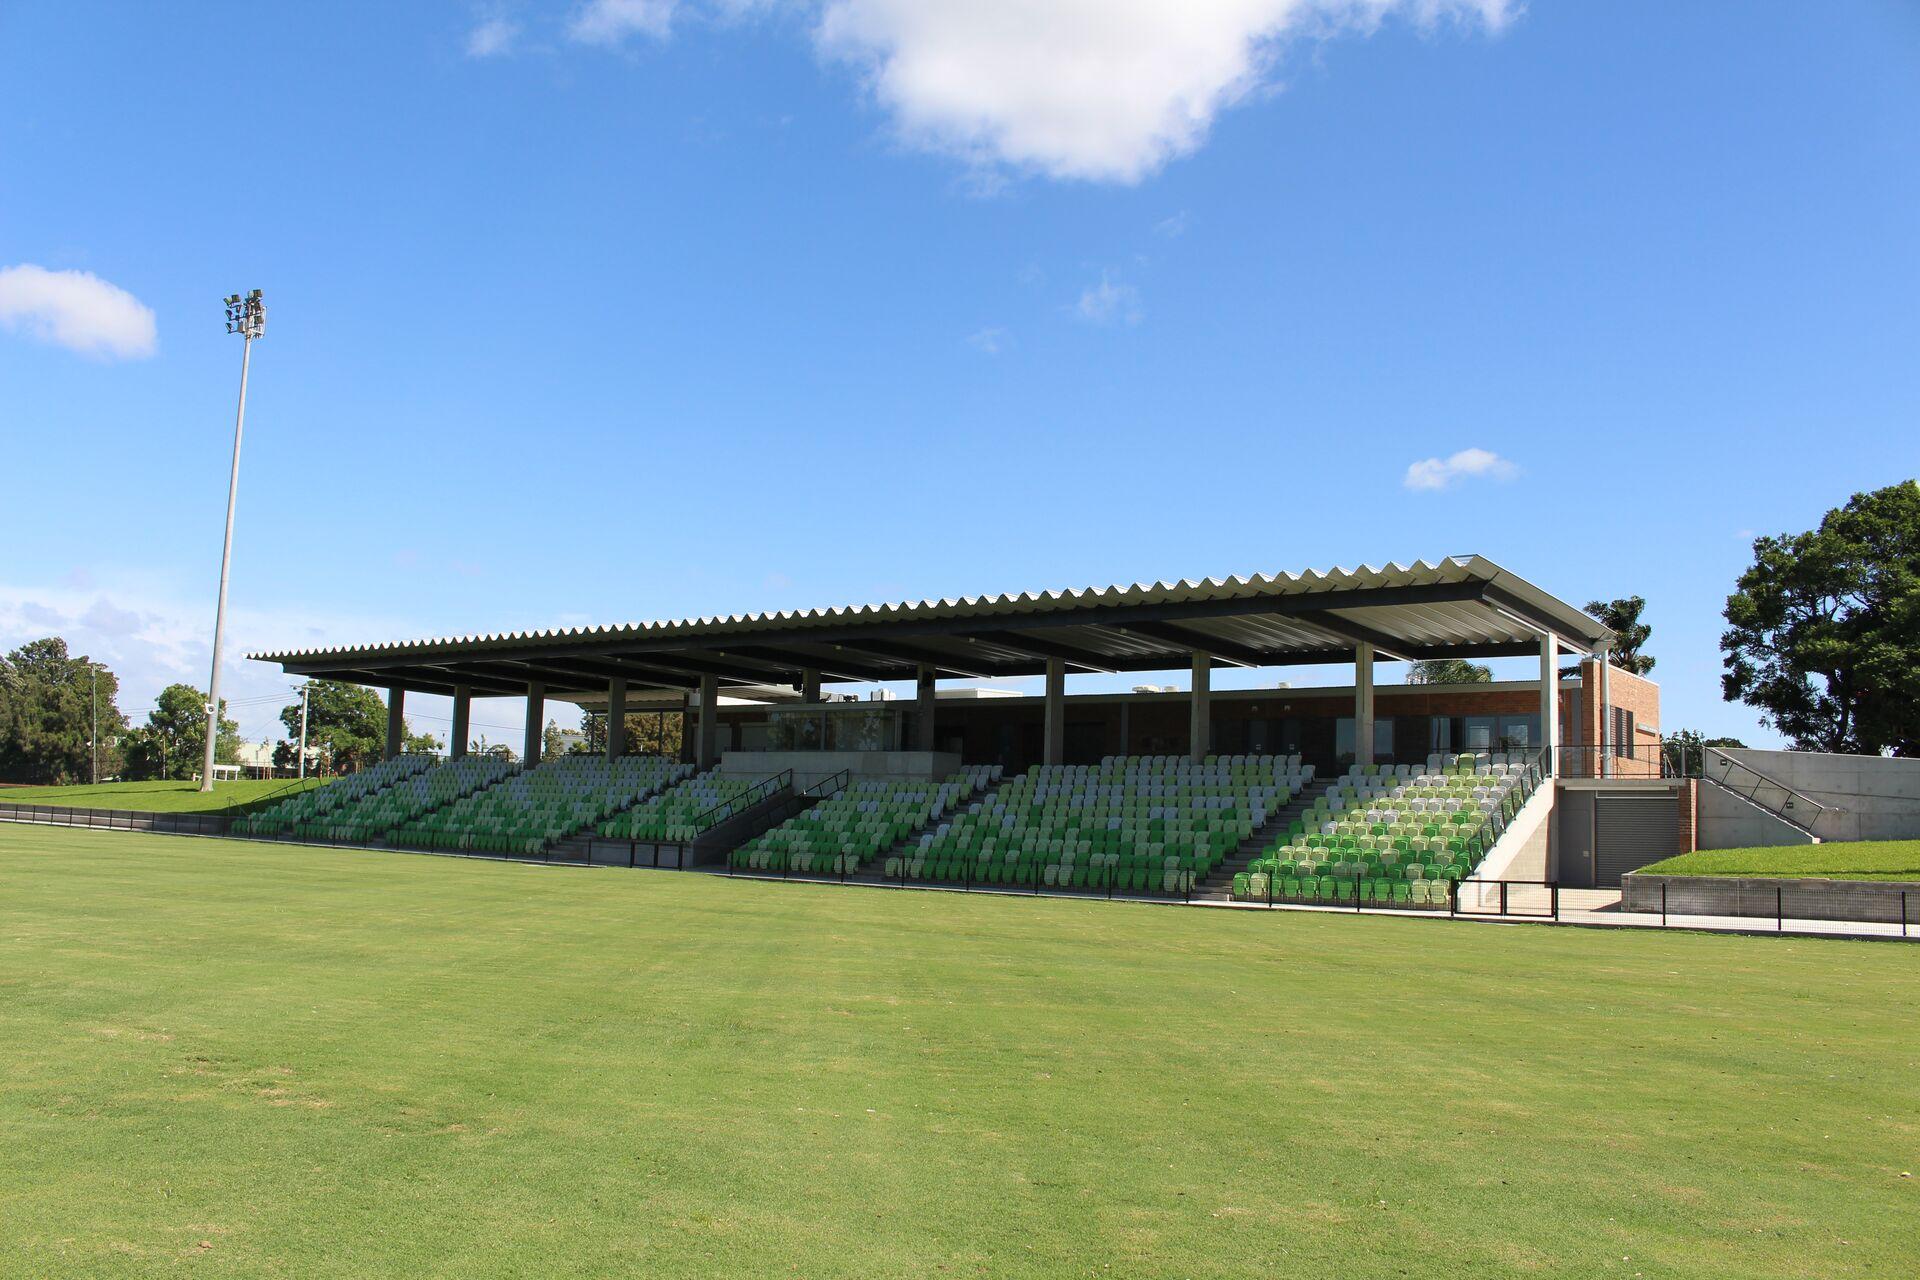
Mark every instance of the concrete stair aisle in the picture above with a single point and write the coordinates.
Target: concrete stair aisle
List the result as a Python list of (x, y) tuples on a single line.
[(1218, 887)]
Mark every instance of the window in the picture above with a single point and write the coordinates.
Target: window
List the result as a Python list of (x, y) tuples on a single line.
[(1622, 731), (1343, 735)]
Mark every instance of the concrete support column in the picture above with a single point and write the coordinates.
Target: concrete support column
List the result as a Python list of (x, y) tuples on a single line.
[(616, 717), (1363, 704), (708, 731), (923, 725), (396, 722), (1550, 701), (536, 722), (1054, 714), (810, 686), (462, 721), (1605, 735), (1200, 717)]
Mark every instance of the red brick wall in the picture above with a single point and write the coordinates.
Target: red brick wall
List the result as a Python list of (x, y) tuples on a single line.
[(1581, 708)]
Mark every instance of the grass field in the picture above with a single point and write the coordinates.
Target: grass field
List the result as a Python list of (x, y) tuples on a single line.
[(224, 1059), (1854, 860), (163, 797)]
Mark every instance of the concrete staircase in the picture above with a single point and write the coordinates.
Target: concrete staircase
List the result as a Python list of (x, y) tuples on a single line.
[(1218, 887)]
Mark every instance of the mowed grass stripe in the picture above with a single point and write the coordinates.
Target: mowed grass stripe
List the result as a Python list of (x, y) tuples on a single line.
[(248, 1060)]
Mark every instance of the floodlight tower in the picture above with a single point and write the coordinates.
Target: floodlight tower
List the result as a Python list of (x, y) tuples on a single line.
[(247, 317)]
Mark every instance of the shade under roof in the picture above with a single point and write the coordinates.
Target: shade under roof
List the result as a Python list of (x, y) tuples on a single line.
[(1460, 607)]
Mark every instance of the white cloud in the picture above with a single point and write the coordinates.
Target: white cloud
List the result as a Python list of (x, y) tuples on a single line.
[(77, 310), (612, 21), (492, 38), (991, 340), (1110, 301), (1432, 474), (1102, 90), (152, 639), (1173, 227)]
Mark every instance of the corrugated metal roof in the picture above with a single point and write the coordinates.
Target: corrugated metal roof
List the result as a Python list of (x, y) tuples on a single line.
[(1438, 625)]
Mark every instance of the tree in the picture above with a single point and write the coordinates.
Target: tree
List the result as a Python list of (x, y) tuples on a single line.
[(1824, 628), (424, 743), (47, 715), (1685, 752), (349, 720), (173, 742), (1630, 635), (552, 743), (1448, 671)]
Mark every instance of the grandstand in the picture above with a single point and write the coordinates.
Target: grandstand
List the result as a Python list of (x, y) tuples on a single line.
[(1154, 791)]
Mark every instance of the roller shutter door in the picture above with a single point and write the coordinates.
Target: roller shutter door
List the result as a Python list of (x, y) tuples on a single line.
[(1630, 832)]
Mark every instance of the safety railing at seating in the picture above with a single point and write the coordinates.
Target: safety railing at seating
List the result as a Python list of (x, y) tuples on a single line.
[(1646, 759), (1495, 824), (1612, 760), (763, 790), (831, 785)]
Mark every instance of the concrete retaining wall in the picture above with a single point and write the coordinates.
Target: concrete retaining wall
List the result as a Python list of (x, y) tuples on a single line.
[(1804, 899), (1866, 797), (1730, 821)]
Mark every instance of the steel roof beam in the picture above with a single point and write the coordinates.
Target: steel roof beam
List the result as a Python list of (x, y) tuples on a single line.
[(1384, 644), (1034, 647), (1191, 641)]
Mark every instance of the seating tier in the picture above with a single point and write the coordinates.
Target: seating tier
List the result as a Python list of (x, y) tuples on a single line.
[(310, 806), (1392, 834), (373, 816), (839, 835), (537, 806), (671, 814), (1137, 824)]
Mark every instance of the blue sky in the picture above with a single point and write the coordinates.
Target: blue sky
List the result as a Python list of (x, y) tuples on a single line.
[(632, 309)]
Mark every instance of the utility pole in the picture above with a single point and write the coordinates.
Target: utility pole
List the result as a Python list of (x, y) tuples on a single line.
[(247, 317), (306, 691), (93, 735)]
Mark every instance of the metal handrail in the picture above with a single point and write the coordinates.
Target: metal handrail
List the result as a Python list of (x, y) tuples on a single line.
[(1495, 824), (772, 786), (1729, 764), (822, 789)]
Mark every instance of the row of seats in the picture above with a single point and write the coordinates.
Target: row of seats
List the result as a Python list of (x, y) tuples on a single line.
[(1391, 833), (308, 806), (842, 833), (671, 814), (1139, 823), (374, 816), (1261, 886), (537, 806)]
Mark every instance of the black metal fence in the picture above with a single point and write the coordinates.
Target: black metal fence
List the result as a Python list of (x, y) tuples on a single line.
[(186, 824), (1775, 903)]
